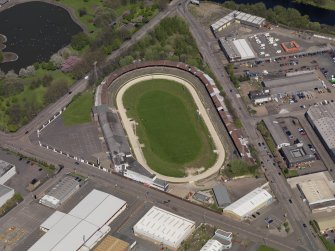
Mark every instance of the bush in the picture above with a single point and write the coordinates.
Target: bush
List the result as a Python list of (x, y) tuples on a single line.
[(79, 41)]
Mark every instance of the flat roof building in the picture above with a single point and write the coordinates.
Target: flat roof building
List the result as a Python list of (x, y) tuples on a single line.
[(325, 220), (7, 171), (83, 226), (61, 191), (6, 193), (248, 204), (318, 190), (276, 132), (161, 226), (322, 119), (260, 97), (239, 17), (221, 195), (291, 84), (297, 154), (236, 50)]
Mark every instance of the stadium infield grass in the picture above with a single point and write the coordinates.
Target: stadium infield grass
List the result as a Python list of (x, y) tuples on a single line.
[(173, 134)]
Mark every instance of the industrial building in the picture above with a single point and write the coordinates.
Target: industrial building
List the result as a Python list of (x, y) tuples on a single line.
[(7, 171), (236, 50), (161, 226), (61, 191), (221, 240), (221, 195), (83, 227), (238, 17), (322, 119), (297, 154), (6, 193), (248, 204), (318, 190), (293, 84), (276, 132), (325, 220), (260, 97)]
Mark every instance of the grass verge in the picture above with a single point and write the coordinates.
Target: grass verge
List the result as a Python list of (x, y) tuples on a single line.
[(79, 110), (11, 203)]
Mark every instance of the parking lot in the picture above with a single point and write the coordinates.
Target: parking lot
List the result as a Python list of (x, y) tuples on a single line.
[(267, 44), (26, 172)]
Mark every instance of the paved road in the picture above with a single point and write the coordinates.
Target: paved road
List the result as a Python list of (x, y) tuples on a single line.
[(279, 186), (20, 142)]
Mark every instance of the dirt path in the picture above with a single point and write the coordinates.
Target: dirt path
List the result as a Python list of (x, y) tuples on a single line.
[(127, 124)]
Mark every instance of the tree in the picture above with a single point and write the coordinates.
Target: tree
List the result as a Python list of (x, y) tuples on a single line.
[(57, 89), (79, 41), (1, 56)]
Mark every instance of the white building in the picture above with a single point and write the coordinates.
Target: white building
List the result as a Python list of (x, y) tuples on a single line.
[(6, 193), (7, 171), (248, 204), (212, 245), (161, 226), (83, 226), (236, 50)]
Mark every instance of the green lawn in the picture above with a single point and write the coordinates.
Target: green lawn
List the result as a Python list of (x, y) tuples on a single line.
[(79, 110), (237, 167), (173, 134), (266, 248)]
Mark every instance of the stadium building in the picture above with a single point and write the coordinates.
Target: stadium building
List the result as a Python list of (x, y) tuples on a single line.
[(161, 226), (236, 50), (322, 119), (248, 204), (83, 227), (238, 17)]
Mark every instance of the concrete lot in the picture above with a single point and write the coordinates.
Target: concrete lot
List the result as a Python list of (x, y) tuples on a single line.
[(79, 140), (26, 172)]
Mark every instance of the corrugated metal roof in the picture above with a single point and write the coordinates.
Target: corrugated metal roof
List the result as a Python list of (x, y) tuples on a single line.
[(249, 202), (74, 229), (163, 226), (221, 195), (243, 48)]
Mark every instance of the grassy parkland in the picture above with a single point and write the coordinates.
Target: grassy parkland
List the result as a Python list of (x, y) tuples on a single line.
[(173, 134)]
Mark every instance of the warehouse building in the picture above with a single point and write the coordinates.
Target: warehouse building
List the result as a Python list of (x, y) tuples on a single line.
[(238, 17), (293, 84), (83, 227), (6, 193), (276, 132), (322, 119), (318, 190), (259, 97), (161, 226), (7, 171), (61, 191), (236, 50), (248, 204), (221, 240), (297, 154), (221, 195)]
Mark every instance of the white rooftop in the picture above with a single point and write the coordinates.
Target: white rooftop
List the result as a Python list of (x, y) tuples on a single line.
[(244, 49), (52, 220), (249, 202), (71, 231), (163, 226), (212, 245)]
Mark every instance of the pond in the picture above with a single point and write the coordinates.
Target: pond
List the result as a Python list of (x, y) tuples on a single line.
[(35, 31), (315, 14)]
